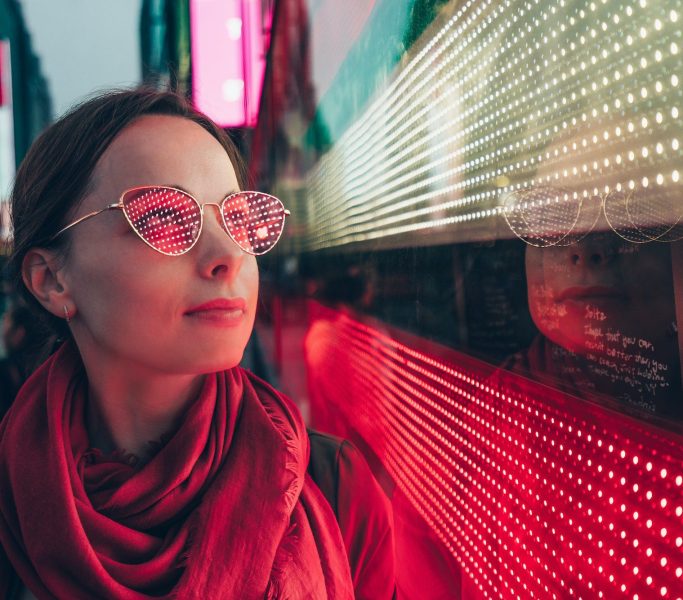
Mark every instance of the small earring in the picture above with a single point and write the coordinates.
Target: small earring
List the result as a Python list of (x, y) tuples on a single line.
[(66, 314)]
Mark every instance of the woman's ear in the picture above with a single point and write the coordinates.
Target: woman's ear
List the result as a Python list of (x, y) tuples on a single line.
[(40, 271)]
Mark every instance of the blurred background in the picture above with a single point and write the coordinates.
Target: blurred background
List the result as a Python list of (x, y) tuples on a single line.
[(481, 281)]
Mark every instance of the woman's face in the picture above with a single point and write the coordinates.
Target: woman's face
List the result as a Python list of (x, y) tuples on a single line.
[(134, 305), (602, 286)]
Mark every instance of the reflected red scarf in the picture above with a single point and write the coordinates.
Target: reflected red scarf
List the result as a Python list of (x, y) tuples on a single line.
[(223, 510)]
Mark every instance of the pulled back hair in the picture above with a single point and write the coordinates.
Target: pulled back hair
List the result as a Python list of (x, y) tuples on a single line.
[(57, 172)]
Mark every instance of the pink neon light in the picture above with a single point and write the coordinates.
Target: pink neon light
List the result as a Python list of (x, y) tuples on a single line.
[(255, 64), (534, 494), (217, 60), (228, 59), (2, 73)]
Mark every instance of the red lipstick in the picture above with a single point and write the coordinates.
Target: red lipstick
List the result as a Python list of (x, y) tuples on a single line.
[(219, 311)]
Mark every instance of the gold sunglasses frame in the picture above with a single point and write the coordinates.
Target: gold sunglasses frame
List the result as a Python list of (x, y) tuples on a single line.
[(120, 206)]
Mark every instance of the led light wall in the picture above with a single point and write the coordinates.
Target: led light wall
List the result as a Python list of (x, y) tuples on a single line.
[(540, 119), (533, 494)]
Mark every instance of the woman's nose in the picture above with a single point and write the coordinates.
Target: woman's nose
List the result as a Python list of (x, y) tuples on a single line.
[(595, 252), (219, 255)]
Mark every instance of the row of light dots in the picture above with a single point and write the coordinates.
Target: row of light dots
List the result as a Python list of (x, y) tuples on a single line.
[(420, 469), (480, 214)]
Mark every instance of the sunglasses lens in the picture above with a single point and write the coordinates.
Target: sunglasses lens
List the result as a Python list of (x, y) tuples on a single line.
[(167, 219), (254, 220)]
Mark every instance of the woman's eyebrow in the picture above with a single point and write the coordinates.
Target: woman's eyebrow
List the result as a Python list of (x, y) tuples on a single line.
[(182, 189), (176, 186)]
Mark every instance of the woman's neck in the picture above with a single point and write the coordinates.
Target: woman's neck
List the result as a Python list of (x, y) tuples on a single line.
[(126, 410)]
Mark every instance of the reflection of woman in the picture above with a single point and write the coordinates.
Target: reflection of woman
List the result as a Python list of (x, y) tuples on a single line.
[(605, 311), (139, 461)]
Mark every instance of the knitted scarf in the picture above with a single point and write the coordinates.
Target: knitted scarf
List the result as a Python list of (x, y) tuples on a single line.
[(223, 510)]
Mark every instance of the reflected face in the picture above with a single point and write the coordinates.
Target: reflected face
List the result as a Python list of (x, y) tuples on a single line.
[(600, 283), (187, 314), (584, 294)]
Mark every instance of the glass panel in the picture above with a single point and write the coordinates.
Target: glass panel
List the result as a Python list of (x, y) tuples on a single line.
[(486, 225)]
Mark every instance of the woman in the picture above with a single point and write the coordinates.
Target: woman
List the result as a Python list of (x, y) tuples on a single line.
[(140, 461)]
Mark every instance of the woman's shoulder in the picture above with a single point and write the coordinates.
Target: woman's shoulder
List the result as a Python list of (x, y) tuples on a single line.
[(362, 509), (334, 462)]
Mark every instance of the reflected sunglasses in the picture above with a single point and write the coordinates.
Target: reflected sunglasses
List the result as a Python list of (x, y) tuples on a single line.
[(170, 220)]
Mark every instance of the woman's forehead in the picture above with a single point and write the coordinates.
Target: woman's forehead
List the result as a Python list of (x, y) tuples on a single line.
[(157, 149), (160, 138)]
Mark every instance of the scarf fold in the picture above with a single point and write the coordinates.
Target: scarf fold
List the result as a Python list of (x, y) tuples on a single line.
[(223, 510)]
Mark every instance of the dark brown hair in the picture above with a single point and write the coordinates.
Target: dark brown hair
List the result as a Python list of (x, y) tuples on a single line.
[(56, 173)]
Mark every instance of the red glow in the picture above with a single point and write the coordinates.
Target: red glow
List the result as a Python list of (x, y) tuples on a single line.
[(534, 493)]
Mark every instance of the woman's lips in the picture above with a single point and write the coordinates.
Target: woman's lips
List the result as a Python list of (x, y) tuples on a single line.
[(592, 292), (578, 298), (220, 311)]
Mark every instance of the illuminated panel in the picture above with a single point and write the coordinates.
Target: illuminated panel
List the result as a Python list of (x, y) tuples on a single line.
[(255, 24), (534, 494), (6, 136), (228, 59), (499, 98)]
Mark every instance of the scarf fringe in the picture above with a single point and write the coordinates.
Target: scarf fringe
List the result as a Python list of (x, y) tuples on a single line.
[(187, 554), (285, 557), (293, 459)]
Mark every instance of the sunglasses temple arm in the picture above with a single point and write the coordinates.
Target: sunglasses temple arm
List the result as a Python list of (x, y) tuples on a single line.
[(88, 216)]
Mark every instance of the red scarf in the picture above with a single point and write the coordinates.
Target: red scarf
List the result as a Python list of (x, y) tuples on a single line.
[(223, 510)]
